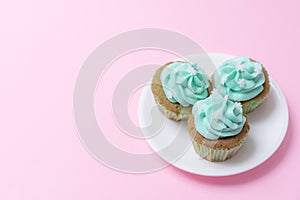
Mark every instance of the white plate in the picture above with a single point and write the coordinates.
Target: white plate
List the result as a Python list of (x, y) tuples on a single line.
[(268, 124)]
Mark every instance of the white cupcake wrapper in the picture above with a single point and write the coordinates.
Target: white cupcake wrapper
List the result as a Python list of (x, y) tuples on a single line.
[(214, 154), (171, 115), (250, 107)]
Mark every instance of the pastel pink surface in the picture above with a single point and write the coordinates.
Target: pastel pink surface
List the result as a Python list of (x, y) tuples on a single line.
[(42, 47)]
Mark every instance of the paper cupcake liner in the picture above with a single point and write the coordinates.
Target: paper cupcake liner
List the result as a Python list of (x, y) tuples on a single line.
[(250, 106), (172, 115), (214, 154)]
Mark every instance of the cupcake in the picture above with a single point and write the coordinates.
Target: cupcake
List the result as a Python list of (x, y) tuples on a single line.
[(243, 80), (218, 127), (177, 86)]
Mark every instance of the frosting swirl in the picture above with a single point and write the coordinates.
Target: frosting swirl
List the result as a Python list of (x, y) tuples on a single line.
[(218, 117), (184, 83), (240, 78)]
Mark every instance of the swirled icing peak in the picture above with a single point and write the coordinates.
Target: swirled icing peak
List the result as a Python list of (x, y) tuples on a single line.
[(218, 117), (184, 83), (240, 78)]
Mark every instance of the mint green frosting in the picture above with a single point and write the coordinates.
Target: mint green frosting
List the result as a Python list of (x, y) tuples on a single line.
[(184, 83), (218, 117), (240, 78)]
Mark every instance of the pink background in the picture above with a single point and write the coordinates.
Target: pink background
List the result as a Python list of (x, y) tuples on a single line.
[(42, 47)]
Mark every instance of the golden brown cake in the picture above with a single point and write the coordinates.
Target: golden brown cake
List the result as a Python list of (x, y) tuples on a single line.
[(217, 150)]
